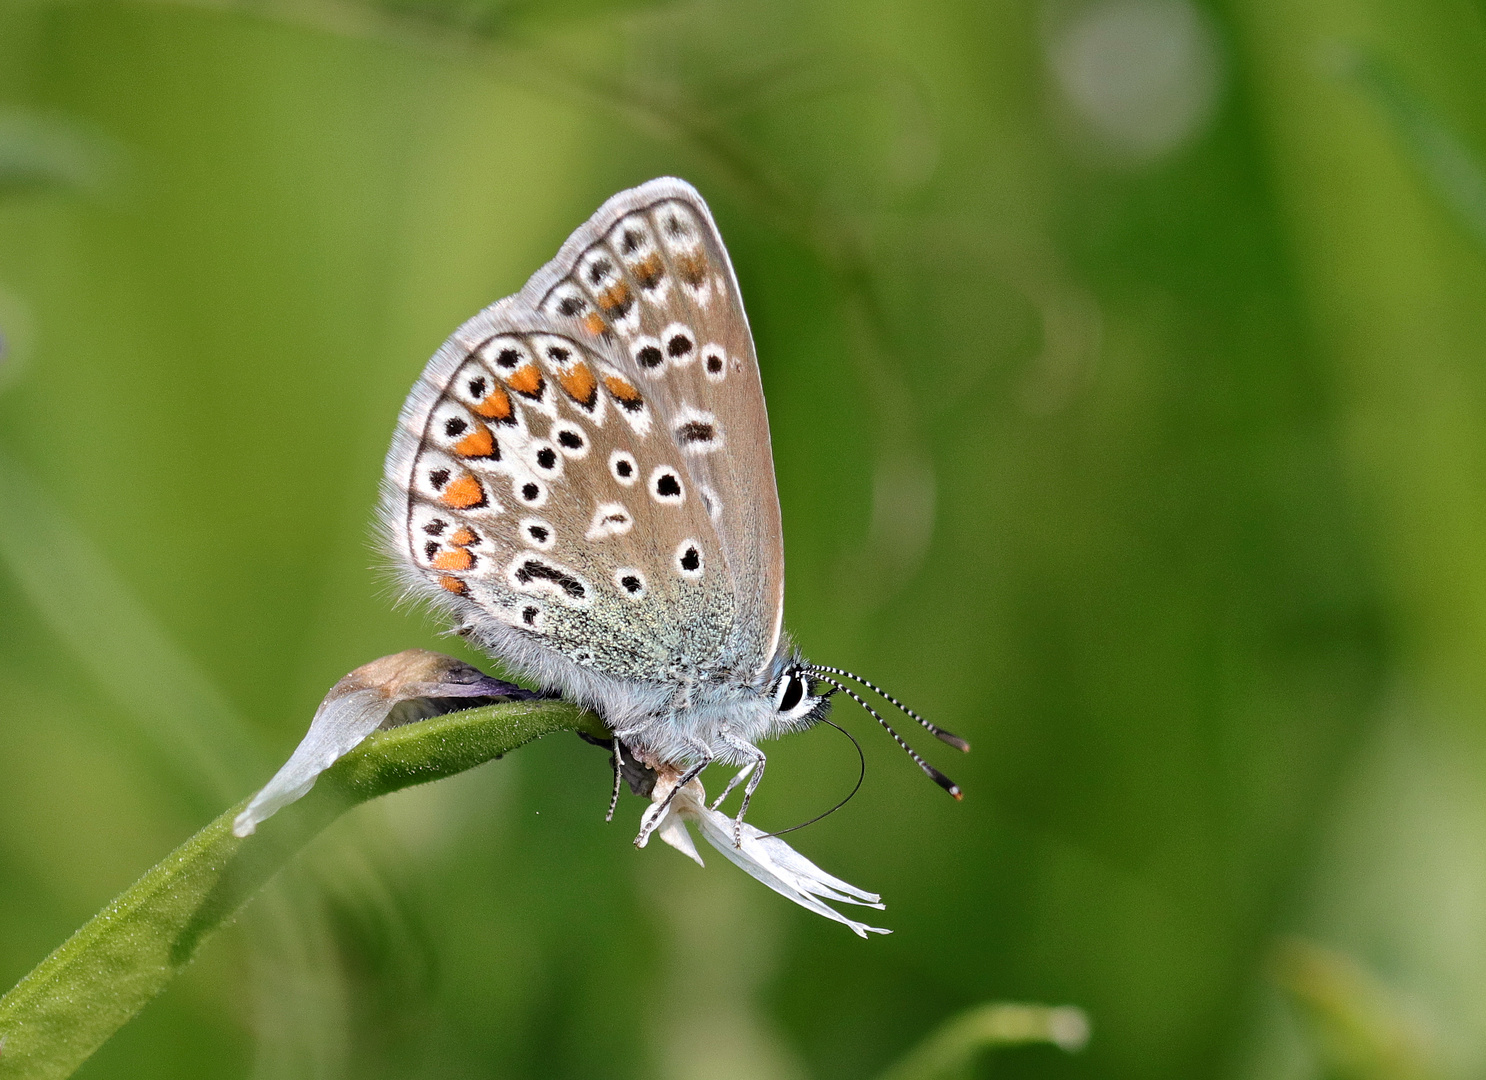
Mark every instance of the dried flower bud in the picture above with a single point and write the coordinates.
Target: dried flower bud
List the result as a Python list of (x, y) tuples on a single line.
[(399, 689)]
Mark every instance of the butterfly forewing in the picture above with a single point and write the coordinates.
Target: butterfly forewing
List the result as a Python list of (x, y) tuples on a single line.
[(649, 280)]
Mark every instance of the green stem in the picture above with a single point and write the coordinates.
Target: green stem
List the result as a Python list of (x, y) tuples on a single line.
[(96, 981), (950, 1051)]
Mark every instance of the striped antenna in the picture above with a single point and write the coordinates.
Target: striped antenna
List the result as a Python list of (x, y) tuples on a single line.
[(933, 774), (933, 729)]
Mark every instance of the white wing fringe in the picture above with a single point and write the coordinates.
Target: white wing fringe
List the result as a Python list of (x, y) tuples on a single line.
[(767, 858)]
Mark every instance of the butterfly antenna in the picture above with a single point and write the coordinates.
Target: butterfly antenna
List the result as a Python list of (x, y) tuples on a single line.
[(861, 775), (933, 729), (933, 774)]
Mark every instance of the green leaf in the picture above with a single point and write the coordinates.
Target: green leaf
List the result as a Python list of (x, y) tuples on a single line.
[(39, 151), (76, 998), (1453, 171), (1362, 1029)]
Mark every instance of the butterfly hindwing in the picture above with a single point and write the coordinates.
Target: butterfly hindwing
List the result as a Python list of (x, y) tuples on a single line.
[(531, 487)]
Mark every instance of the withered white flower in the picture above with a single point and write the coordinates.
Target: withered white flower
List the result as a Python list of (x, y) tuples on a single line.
[(767, 858), (398, 689)]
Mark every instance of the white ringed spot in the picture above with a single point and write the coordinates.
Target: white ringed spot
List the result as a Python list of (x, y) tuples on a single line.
[(529, 491), (630, 582), (570, 439), (609, 519), (689, 563), (537, 533), (714, 362), (624, 468), (649, 355), (666, 486), (680, 344)]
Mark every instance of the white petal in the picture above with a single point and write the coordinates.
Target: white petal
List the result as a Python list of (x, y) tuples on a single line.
[(338, 728), (767, 858), (675, 833), (357, 705)]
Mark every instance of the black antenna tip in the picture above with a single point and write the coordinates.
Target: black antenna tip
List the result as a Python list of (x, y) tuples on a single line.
[(954, 740), (943, 781)]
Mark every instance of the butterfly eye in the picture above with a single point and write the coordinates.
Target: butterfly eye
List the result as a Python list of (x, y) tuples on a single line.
[(538, 533), (531, 492), (569, 438), (790, 693)]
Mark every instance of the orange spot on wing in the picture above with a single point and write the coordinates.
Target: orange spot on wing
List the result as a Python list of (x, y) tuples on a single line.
[(526, 380), (458, 559), (649, 270), (478, 443), (464, 537), (693, 269), (594, 323), (453, 585), (464, 493), (496, 406), (623, 392), (578, 381), (616, 298)]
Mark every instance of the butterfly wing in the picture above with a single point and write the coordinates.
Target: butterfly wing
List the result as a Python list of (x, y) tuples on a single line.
[(648, 278), (583, 471), (531, 487)]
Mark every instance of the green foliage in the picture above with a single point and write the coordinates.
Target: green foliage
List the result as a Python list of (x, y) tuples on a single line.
[(949, 1052), (60, 1013)]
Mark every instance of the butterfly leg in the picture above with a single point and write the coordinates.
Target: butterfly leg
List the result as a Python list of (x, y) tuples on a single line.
[(738, 777), (754, 771), (618, 775), (653, 818)]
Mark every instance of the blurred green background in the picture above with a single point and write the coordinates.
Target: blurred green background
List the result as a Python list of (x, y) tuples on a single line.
[(1124, 361)]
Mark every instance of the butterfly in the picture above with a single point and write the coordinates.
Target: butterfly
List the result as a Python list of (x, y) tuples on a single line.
[(582, 480)]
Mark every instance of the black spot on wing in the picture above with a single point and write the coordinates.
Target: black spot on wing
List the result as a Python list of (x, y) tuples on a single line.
[(534, 570)]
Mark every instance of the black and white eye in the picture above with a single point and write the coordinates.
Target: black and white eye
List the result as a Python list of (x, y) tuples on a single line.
[(537, 533), (544, 458), (689, 562), (530, 492), (790, 698), (665, 486), (631, 582), (623, 467), (680, 344), (506, 353), (649, 354), (714, 362), (570, 439)]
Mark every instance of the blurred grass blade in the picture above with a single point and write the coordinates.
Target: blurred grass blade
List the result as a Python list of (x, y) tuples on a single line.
[(76, 998), (950, 1051), (38, 151), (176, 708), (1453, 171), (1362, 1031)]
